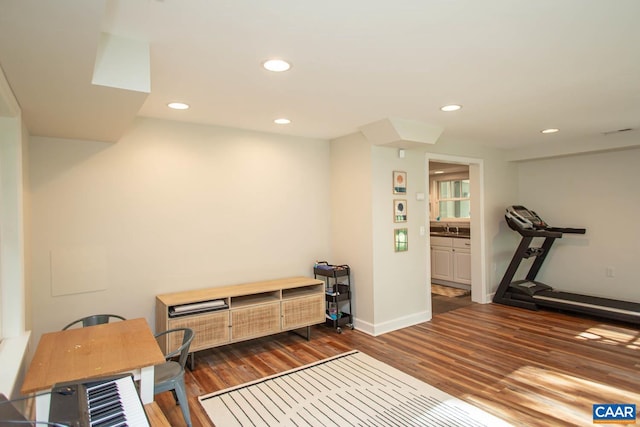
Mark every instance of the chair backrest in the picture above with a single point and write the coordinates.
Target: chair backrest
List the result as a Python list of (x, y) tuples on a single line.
[(95, 319), (183, 350)]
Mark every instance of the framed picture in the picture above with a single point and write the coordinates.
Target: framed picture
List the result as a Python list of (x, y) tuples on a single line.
[(399, 182), (400, 210), (401, 239)]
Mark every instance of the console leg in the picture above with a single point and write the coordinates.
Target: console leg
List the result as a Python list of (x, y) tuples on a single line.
[(308, 336)]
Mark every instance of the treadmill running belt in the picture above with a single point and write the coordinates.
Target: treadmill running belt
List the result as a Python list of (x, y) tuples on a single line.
[(587, 301)]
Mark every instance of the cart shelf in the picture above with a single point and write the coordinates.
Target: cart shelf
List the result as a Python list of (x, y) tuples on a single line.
[(337, 280)]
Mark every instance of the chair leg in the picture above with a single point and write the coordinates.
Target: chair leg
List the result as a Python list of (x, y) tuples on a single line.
[(184, 403)]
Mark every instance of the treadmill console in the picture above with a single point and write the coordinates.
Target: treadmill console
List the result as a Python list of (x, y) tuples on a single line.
[(523, 218)]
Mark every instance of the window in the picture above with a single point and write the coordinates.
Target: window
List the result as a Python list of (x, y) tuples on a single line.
[(453, 199)]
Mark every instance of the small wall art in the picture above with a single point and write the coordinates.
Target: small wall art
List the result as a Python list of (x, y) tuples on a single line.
[(400, 210), (401, 239), (399, 182)]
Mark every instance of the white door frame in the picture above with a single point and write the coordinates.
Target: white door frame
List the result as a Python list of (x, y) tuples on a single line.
[(478, 255)]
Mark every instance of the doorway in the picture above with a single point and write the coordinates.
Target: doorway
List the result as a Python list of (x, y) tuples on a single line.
[(459, 168), (443, 301), (449, 229)]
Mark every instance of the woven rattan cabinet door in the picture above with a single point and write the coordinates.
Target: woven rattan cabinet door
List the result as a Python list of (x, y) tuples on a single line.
[(255, 321), (209, 329), (304, 311)]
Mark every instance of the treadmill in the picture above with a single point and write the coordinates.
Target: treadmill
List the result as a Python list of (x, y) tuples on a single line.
[(531, 294)]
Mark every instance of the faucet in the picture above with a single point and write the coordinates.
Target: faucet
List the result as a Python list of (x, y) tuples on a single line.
[(457, 230), (446, 228)]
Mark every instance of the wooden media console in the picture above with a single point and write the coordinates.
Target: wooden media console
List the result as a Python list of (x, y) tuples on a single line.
[(229, 314)]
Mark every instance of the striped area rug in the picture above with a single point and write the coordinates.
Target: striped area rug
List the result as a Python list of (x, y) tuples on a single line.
[(351, 389)]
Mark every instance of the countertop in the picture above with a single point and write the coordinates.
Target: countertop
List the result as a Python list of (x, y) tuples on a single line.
[(448, 230), (452, 234)]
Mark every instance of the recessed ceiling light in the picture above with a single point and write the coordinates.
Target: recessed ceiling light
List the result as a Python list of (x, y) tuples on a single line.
[(276, 65), (178, 105), (438, 172), (282, 121), (550, 130), (452, 107)]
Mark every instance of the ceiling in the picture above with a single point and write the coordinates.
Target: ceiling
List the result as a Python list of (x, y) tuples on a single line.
[(515, 66)]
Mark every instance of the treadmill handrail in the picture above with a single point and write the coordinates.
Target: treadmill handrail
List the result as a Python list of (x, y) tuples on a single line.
[(554, 232), (541, 233), (533, 232), (568, 230)]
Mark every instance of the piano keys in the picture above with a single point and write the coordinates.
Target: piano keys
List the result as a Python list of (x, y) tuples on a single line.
[(112, 402)]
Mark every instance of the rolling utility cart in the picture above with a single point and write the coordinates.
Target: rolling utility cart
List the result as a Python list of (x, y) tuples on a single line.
[(337, 294)]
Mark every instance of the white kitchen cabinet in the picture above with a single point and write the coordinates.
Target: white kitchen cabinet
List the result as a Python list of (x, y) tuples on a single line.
[(441, 263), (462, 261), (451, 259)]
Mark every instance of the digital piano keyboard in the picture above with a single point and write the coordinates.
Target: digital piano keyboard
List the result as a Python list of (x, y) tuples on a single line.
[(112, 402)]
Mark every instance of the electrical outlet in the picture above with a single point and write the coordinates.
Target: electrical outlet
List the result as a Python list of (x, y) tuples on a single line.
[(610, 272)]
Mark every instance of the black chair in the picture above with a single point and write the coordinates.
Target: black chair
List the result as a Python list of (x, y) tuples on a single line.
[(170, 375), (96, 319)]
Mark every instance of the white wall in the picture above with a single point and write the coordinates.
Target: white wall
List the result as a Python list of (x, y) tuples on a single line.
[(11, 228), (177, 206), (13, 305), (401, 293), (171, 207), (351, 224), (389, 288), (596, 191), (13, 261), (395, 292)]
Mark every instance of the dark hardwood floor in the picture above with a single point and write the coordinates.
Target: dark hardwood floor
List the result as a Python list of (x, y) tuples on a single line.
[(528, 368), (442, 304)]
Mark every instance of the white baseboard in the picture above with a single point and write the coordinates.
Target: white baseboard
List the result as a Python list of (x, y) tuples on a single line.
[(403, 322), (392, 325)]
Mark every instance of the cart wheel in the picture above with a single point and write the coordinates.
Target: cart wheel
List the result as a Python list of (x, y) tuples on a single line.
[(339, 330), (350, 325)]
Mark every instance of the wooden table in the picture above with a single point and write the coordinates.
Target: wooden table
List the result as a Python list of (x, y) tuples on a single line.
[(93, 352)]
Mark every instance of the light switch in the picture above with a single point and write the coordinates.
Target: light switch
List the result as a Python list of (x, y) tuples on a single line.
[(419, 196), (422, 230)]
